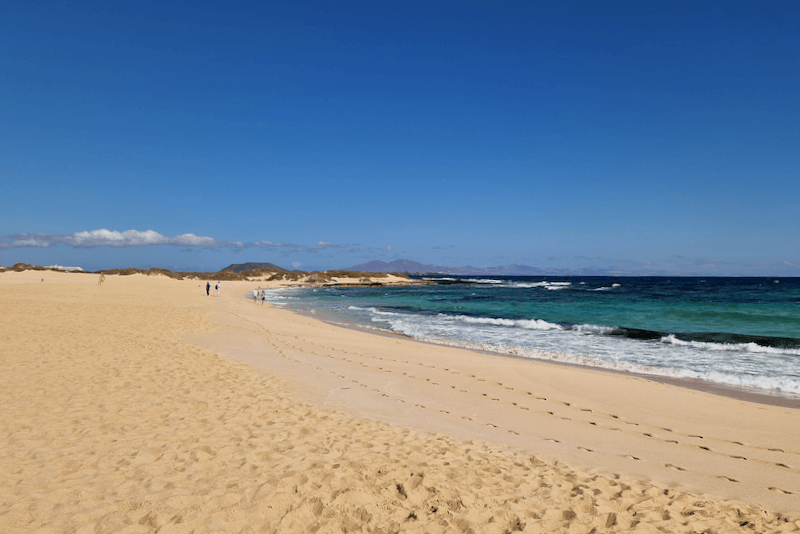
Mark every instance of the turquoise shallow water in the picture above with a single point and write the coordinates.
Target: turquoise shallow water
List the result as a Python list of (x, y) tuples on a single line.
[(742, 332)]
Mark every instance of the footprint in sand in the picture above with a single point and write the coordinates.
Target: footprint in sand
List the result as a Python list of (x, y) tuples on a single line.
[(779, 490), (585, 449), (674, 467), (729, 479)]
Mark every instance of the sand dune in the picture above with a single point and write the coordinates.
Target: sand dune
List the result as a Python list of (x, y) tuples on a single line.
[(146, 406)]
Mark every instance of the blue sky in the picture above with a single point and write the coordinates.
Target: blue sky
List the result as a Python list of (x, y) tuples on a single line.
[(642, 136)]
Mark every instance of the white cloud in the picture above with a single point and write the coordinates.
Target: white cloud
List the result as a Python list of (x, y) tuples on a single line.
[(191, 240), (27, 241), (137, 238), (111, 238)]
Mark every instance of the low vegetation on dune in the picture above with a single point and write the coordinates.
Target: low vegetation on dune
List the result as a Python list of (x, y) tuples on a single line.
[(317, 277), (19, 267)]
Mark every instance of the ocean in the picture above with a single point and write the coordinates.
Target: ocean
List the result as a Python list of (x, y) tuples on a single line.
[(742, 333)]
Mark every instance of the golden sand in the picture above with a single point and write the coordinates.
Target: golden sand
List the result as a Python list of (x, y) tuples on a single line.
[(144, 405)]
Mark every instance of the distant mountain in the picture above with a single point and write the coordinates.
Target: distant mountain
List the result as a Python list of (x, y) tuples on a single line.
[(239, 267), (413, 267), (408, 266), (398, 266)]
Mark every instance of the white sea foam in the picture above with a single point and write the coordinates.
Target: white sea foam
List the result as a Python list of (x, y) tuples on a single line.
[(585, 345), (545, 284), (554, 286), (592, 329), (744, 365), (606, 288), (743, 347), (530, 324), (374, 311)]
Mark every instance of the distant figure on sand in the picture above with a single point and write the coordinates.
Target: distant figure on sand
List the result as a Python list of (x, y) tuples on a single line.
[(208, 288), (217, 288), (263, 296), (255, 296), (101, 280)]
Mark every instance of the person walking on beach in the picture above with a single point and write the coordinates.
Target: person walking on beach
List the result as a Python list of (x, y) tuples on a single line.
[(208, 288), (217, 288), (100, 281), (255, 296), (263, 296)]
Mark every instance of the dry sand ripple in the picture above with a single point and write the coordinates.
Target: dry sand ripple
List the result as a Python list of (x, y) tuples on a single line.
[(113, 422)]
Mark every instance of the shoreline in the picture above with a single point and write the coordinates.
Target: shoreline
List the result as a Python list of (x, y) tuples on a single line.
[(696, 384)]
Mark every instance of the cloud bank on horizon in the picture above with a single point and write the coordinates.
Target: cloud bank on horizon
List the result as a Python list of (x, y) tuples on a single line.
[(108, 238), (676, 265), (137, 238)]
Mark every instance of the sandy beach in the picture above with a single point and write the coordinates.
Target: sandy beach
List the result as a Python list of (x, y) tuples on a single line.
[(144, 405)]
